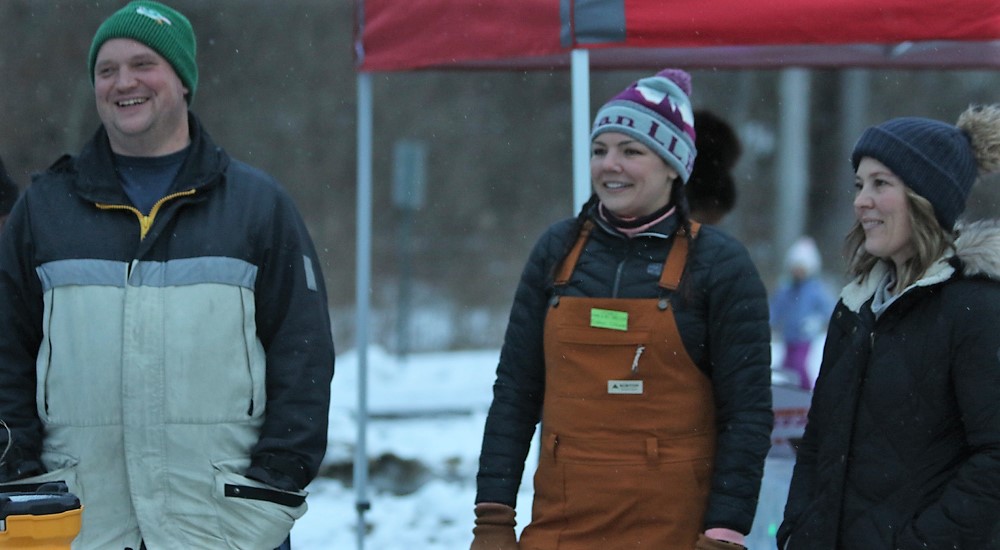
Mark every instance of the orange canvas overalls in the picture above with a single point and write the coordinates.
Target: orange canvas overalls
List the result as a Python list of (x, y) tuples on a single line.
[(628, 423)]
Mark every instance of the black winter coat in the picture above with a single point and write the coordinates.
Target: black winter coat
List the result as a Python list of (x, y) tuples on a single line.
[(722, 315), (902, 448)]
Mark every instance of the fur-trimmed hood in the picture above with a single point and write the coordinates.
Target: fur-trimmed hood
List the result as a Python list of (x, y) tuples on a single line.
[(977, 247)]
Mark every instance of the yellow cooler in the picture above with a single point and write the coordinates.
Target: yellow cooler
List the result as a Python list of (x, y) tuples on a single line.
[(46, 517)]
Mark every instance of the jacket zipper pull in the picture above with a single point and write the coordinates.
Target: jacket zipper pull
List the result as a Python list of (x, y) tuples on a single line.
[(635, 361)]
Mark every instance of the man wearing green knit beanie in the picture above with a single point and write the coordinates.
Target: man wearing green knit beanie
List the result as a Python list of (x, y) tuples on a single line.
[(160, 27), (169, 352)]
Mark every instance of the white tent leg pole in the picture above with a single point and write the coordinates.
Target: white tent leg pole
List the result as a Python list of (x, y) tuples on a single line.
[(580, 68), (793, 157), (362, 295)]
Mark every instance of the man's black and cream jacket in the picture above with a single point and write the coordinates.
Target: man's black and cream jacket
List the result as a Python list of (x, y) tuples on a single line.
[(152, 360)]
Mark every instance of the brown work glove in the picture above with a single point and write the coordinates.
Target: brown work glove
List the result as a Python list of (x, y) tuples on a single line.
[(494, 528), (708, 543)]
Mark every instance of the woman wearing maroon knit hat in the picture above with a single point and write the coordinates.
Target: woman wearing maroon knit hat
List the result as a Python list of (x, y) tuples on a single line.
[(640, 341)]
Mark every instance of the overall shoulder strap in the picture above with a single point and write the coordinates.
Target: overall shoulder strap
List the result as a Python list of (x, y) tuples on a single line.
[(673, 267), (569, 262)]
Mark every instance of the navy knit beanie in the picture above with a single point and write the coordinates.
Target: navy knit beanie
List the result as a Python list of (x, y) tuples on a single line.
[(933, 158)]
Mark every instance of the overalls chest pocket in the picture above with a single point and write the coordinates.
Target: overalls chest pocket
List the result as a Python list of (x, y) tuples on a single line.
[(590, 361)]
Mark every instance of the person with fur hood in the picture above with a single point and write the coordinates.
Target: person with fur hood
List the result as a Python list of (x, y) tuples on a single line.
[(902, 446)]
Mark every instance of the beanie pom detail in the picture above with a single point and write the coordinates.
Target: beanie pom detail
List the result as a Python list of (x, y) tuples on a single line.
[(679, 77), (982, 124)]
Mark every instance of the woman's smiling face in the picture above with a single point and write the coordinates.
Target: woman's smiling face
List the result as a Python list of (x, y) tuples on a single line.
[(629, 178), (882, 209)]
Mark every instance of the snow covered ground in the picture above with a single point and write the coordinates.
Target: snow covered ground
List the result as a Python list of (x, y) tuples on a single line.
[(424, 434)]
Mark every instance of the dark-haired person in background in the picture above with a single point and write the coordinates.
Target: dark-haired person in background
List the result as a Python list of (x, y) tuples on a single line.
[(711, 190)]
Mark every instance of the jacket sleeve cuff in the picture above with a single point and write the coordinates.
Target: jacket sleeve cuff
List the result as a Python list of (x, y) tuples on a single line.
[(280, 472), (21, 470)]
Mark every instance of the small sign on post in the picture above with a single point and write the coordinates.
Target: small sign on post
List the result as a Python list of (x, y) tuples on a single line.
[(409, 174), (409, 181)]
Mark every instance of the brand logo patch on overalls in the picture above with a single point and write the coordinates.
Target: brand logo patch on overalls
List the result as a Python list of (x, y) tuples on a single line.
[(625, 387)]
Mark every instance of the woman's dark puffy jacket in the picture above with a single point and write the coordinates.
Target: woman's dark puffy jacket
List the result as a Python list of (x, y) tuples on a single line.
[(722, 315), (902, 448)]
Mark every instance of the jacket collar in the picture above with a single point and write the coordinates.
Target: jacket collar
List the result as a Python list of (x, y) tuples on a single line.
[(664, 229), (97, 181), (977, 251)]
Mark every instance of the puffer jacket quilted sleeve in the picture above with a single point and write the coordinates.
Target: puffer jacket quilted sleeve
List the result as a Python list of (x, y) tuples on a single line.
[(729, 317), (520, 383)]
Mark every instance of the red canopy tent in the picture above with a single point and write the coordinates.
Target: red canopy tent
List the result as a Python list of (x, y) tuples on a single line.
[(420, 34), (403, 35), (620, 34)]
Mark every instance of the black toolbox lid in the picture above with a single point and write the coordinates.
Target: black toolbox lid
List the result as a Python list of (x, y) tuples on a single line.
[(36, 500)]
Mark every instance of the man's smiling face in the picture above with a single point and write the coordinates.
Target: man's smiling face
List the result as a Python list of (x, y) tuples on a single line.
[(140, 99)]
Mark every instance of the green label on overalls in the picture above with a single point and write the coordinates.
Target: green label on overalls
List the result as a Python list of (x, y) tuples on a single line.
[(606, 318)]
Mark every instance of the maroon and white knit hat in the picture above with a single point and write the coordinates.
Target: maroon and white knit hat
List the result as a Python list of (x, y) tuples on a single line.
[(656, 111)]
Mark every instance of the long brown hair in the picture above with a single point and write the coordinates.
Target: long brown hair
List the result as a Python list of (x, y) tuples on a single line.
[(930, 242)]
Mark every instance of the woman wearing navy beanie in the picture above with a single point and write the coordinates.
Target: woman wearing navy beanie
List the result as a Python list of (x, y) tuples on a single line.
[(902, 446)]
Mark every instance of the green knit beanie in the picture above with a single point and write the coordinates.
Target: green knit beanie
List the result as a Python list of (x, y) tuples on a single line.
[(160, 27)]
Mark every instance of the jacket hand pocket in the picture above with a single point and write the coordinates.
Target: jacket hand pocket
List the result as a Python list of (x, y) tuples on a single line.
[(266, 494), (253, 514)]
